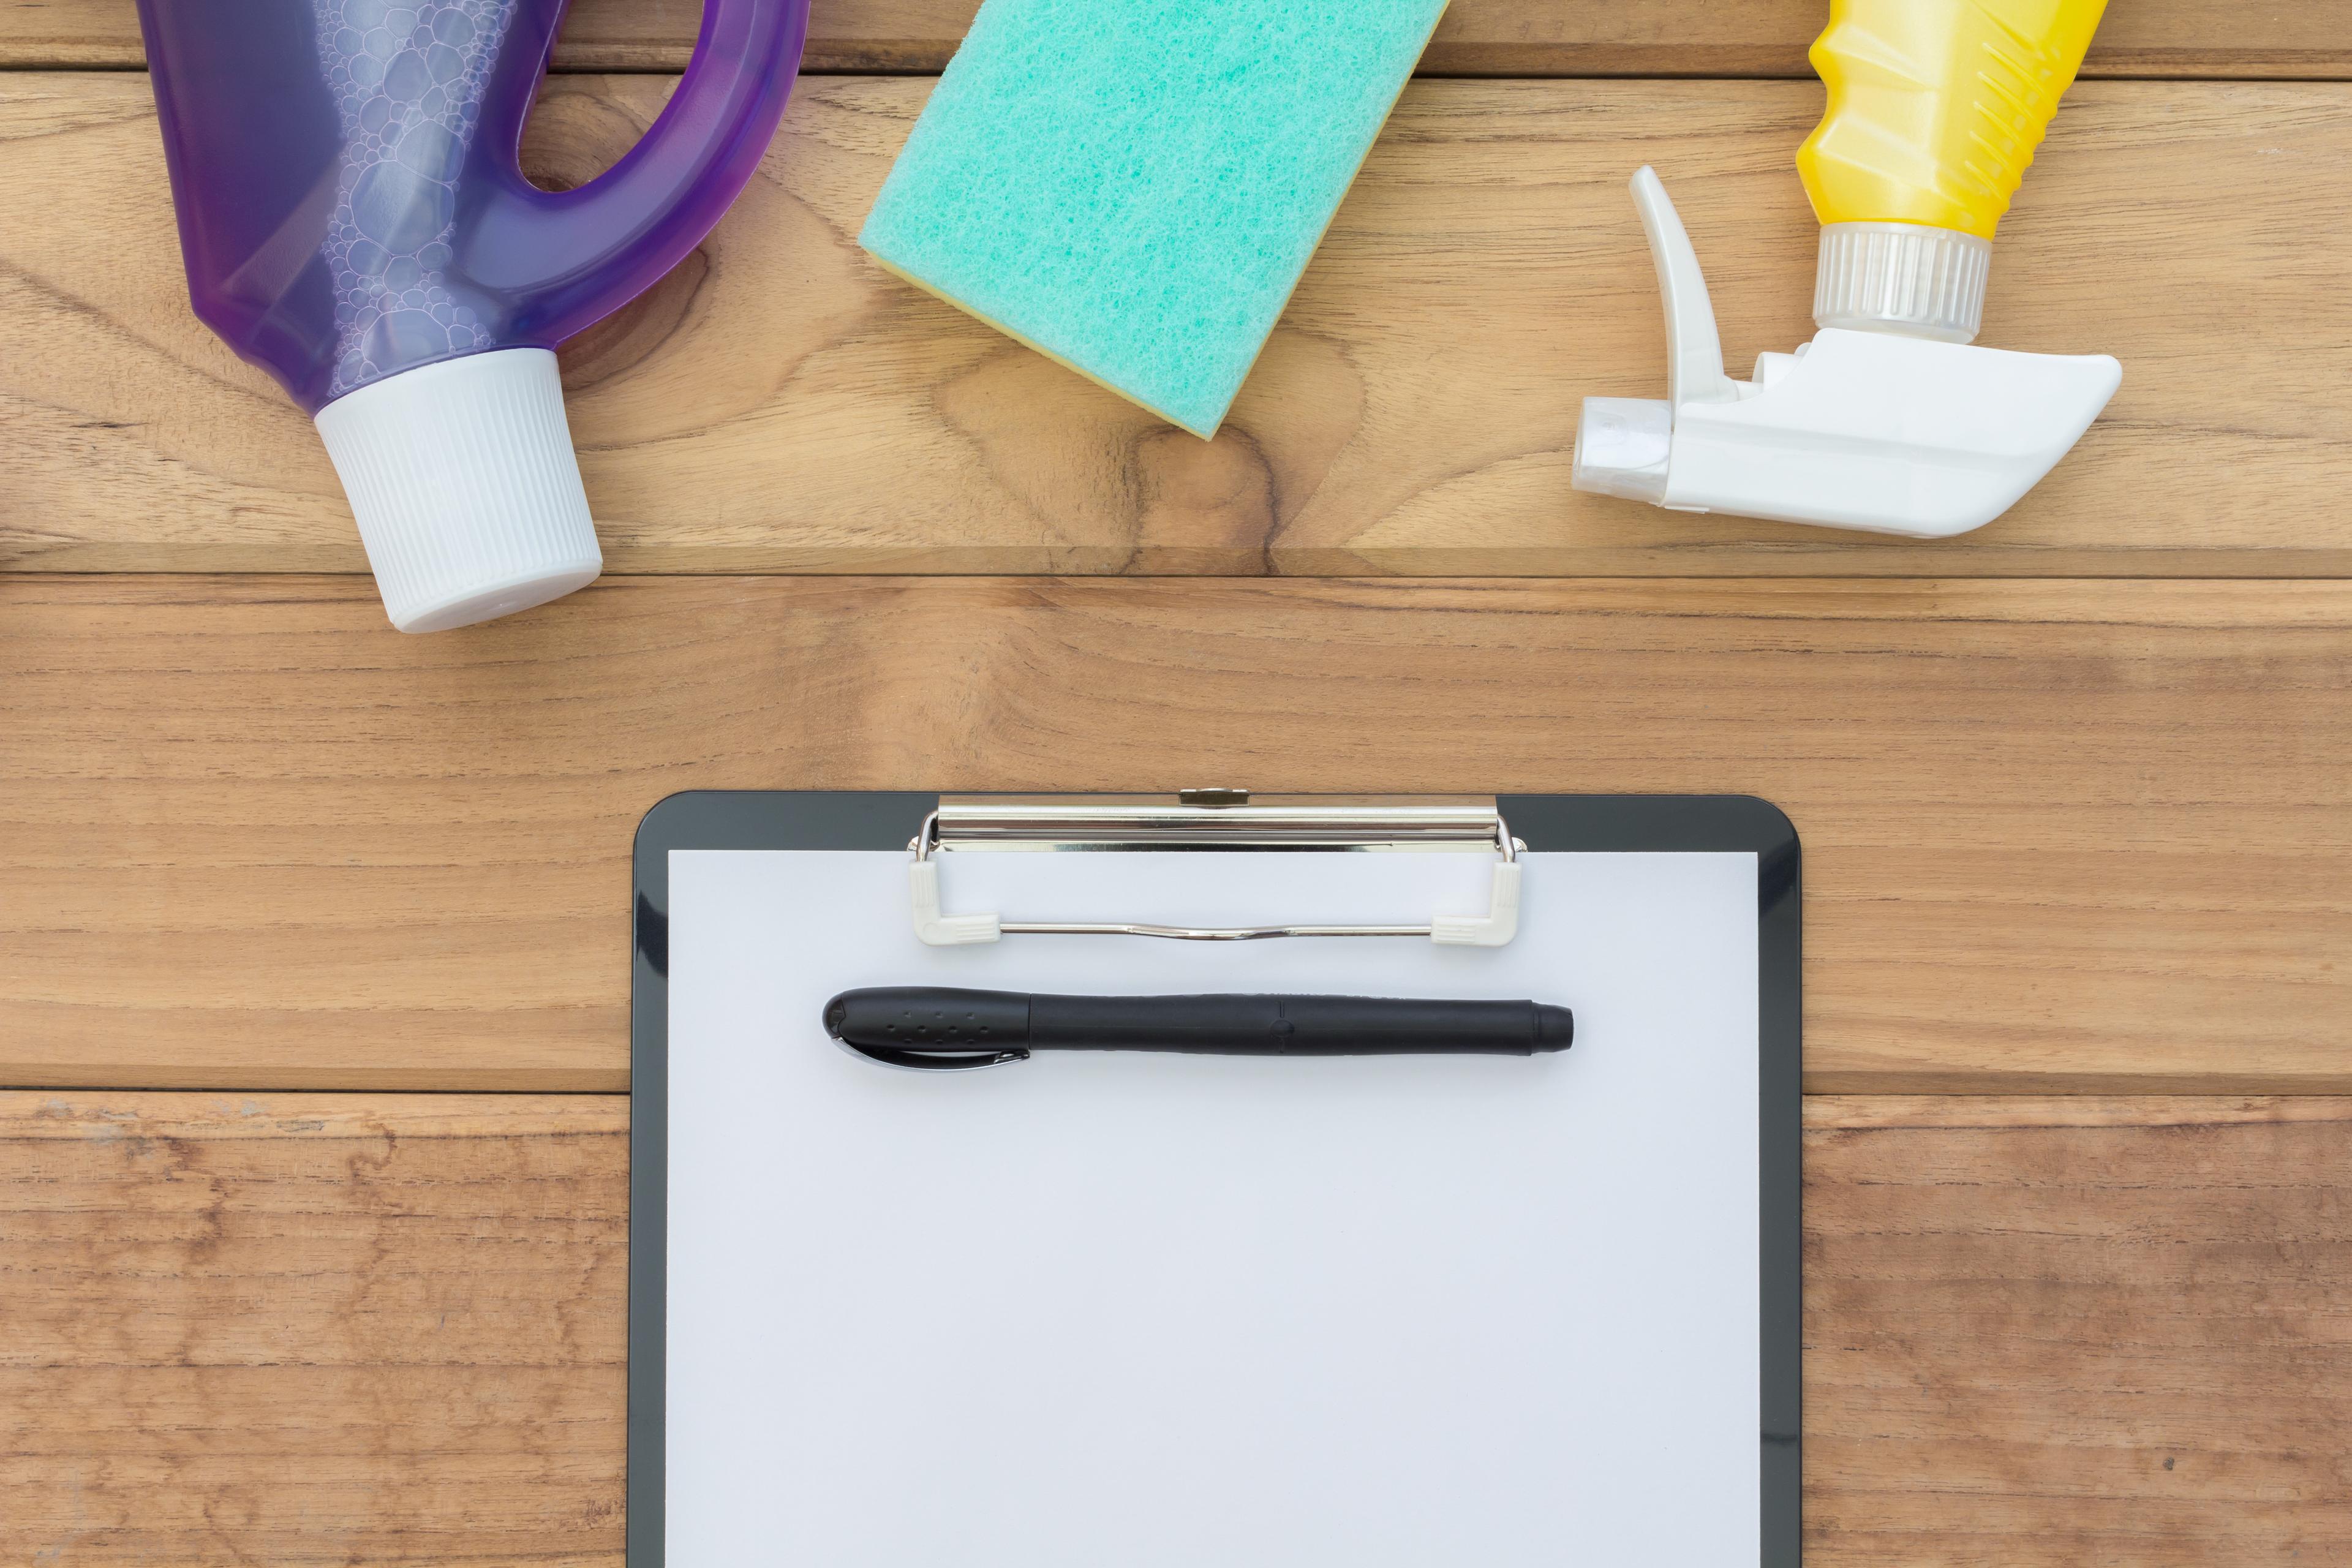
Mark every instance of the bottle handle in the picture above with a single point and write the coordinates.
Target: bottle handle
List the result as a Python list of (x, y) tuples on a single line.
[(578, 255)]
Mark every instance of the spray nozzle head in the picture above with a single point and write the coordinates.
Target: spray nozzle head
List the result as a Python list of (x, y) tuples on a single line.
[(1896, 428)]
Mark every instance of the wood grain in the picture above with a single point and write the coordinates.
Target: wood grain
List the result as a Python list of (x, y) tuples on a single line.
[(2052, 1333), (313, 1330), (2058, 835), (780, 404), (390, 1328), (1493, 38)]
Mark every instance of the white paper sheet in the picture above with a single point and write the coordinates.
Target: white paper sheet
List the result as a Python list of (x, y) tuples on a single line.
[(1132, 1312)]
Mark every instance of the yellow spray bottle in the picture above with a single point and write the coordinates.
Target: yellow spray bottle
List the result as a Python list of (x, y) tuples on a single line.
[(1886, 421)]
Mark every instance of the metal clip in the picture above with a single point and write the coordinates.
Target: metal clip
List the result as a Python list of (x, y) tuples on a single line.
[(1213, 819)]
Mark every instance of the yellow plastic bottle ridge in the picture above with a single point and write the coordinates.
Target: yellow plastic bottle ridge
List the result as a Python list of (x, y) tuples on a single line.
[(1936, 106)]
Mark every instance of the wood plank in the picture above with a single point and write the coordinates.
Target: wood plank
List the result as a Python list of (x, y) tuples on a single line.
[(313, 1330), (778, 403), (2060, 836), (389, 1329), (2052, 1333), (1487, 38)]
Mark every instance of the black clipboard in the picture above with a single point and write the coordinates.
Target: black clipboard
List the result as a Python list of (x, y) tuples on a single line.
[(772, 820)]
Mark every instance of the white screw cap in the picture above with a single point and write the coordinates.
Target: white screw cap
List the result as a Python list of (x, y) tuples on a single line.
[(1905, 278), (462, 476)]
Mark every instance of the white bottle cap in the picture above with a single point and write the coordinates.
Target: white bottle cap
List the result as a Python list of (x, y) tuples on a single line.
[(467, 494), (1906, 278)]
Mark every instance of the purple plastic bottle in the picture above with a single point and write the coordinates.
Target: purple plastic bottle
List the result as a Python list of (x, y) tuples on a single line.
[(355, 221)]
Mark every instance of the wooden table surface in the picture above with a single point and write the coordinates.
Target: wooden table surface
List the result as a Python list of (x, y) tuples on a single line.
[(287, 894)]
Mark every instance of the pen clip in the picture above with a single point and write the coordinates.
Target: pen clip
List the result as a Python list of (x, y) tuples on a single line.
[(953, 1056), (928, 1061)]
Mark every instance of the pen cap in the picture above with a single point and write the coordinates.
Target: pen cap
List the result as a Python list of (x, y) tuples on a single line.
[(929, 1018)]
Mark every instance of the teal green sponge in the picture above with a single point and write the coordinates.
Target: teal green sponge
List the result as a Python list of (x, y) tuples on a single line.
[(1134, 187)]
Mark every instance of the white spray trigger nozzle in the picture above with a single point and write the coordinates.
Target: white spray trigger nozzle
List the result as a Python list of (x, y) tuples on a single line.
[(1877, 430), (1694, 347)]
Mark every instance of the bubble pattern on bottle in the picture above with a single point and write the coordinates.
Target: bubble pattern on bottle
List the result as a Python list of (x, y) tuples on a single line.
[(408, 81)]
